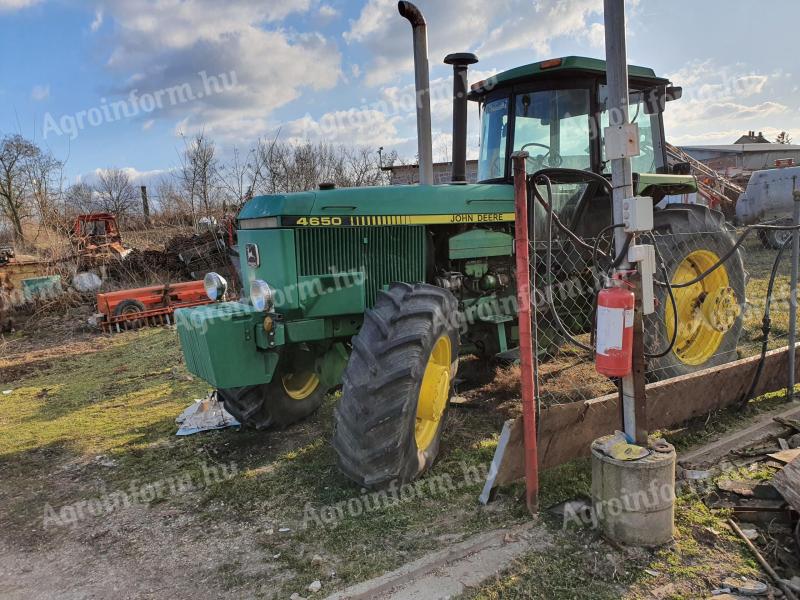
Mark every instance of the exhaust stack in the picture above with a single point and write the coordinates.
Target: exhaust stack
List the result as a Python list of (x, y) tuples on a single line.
[(423, 87), (460, 62)]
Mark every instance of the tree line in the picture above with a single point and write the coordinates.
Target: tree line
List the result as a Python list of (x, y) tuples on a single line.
[(33, 188)]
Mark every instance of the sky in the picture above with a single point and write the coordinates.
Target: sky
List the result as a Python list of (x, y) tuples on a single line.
[(122, 83)]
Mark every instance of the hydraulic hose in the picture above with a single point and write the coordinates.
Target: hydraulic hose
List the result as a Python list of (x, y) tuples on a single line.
[(766, 325), (549, 267)]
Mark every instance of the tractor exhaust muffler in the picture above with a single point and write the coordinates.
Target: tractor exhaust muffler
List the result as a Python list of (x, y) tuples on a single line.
[(460, 62), (423, 88)]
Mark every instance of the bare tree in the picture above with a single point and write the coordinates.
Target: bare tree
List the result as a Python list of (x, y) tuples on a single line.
[(15, 153), (292, 168), (199, 174), (115, 192), (44, 173), (80, 198), (783, 138), (241, 175)]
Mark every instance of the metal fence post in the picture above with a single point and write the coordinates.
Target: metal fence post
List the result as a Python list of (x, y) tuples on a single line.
[(621, 168), (793, 289)]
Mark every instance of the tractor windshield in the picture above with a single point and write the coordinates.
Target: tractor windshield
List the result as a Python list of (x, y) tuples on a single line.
[(553, 126), (558, 128)]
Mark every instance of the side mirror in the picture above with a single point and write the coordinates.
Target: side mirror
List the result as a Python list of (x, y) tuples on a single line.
[(674, 93), (655, 99)]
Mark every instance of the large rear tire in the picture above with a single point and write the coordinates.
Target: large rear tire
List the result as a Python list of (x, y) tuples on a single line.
[(691, 239), (397, 384), (294, 393)]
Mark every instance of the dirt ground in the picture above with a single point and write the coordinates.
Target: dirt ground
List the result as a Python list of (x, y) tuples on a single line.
[(99, 498)]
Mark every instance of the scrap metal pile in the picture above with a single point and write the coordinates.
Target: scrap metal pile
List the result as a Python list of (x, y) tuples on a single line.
[(104, 263)]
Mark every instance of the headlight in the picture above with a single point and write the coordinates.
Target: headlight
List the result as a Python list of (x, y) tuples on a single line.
[(262, 297), (215, 285)]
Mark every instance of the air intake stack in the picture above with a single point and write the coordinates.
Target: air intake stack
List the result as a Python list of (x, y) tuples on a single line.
[(460, 62)]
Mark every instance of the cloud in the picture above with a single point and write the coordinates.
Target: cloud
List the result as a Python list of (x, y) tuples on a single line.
[(720, 102), (354, 127), (596, 34), (454, 25), (326, 11), (489, 28), (40, 92), (732, 110), (162, 45), (14, 5), (98, 20)]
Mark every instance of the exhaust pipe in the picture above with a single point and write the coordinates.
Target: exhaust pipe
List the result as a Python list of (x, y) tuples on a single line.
[(460, 62), (423, 86)]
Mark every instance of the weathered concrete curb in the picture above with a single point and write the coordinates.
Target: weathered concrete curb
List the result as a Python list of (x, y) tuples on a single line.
[(451, 571)]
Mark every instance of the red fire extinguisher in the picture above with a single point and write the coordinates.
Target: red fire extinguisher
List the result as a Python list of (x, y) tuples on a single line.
[(614, 332)]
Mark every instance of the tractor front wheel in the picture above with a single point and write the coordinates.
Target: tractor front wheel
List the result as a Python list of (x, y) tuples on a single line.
[(294, 393), (396, 387)]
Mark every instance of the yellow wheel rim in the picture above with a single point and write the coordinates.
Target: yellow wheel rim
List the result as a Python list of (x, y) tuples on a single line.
[(433, 393), (706, 310), (299, 386)]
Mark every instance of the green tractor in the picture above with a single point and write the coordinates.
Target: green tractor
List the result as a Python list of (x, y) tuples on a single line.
[(379, 290)]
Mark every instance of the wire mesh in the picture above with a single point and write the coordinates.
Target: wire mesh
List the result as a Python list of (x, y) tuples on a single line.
[(720, 318)]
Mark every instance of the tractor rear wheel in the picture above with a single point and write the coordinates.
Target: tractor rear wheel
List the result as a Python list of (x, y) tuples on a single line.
[(396, 387), (691, 239), (294, 393)]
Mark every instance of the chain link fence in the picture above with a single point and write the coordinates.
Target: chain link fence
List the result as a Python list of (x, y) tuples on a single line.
[(719, 317)]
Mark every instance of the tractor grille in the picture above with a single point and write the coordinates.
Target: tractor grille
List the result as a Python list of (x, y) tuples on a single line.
[(386, 254)]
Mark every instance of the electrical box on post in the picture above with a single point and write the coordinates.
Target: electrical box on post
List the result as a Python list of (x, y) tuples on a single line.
[(644, 256), (622, 141), (637, 214)]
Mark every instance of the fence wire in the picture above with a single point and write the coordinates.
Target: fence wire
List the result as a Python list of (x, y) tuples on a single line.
[(720, 317)]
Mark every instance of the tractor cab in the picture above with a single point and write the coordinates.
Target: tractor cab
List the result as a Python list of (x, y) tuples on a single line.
[(557, 111)]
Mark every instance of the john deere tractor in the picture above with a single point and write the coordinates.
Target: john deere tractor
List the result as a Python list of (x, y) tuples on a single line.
[(379, 290)]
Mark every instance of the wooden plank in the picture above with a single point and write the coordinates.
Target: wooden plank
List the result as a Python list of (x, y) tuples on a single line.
[(499, 458), (787, 482), (785, 456), (567, 430), (764, 427)]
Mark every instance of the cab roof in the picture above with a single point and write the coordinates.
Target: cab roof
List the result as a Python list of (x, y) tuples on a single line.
[(558, 68)]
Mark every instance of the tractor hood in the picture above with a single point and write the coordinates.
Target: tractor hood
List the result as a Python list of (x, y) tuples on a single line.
[(406, 200)]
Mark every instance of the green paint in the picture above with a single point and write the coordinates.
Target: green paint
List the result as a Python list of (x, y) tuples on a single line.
[(480, 243), (474, 199), (219, 344), (581, 65)]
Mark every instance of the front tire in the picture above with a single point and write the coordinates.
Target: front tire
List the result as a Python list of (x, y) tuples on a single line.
[(294, 393), (397, 384)]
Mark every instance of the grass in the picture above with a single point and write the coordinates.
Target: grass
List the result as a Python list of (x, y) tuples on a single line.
[(79, 425), (83, 425)]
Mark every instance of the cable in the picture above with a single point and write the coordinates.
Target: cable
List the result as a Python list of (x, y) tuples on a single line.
[(672, 341), (549, 291), (548, 207), (596, 246), (766, 324), (577, 173), (727, 255)]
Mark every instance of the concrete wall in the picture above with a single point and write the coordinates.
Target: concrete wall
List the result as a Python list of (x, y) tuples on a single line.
[(408, 174)]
